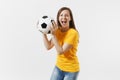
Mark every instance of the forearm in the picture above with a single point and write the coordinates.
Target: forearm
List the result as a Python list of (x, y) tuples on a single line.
[(47, 43), (57, 45), (59, 48)]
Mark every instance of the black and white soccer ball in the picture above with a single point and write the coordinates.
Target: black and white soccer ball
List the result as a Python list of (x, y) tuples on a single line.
[(44, 24)]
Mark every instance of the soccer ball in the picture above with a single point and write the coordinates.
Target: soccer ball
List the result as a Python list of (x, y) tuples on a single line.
[(44, 24)]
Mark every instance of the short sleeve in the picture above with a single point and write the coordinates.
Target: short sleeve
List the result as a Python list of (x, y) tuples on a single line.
[(71, 37)]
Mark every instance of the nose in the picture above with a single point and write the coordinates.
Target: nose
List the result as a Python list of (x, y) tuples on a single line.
[(63, 16)]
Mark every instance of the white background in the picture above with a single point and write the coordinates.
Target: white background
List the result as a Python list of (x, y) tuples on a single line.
[(24, 57)]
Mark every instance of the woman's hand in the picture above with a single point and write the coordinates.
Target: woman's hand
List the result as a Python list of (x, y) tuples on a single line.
[(53, 27)]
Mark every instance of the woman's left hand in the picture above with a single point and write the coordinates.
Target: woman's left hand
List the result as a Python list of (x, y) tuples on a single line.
[(54, 27)]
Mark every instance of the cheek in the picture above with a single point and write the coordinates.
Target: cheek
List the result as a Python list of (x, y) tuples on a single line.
[(69, 19), (59, 19)]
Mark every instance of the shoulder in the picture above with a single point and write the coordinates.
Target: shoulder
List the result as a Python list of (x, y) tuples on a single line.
[(73, 31)]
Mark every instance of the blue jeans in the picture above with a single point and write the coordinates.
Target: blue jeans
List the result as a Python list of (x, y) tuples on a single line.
[(62, 75)]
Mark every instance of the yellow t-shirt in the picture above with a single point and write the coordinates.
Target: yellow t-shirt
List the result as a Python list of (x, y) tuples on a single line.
[(68, 61)]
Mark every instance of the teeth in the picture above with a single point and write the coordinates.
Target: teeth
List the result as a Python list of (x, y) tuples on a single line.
[(64, 22)]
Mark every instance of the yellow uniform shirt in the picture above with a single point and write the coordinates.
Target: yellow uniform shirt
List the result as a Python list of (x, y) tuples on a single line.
[(68, 61)]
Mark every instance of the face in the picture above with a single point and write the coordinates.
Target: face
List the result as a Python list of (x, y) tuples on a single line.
[(64, 19)]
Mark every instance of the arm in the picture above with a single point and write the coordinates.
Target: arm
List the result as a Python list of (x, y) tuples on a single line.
[(60, 49), (48, 43)]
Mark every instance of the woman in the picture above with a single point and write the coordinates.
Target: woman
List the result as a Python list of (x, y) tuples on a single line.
[(65, 38)]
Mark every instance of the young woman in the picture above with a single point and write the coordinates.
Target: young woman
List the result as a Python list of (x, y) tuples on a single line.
[(65, 38)]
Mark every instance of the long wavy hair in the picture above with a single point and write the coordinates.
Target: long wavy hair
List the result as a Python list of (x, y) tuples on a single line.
[(71, 23)]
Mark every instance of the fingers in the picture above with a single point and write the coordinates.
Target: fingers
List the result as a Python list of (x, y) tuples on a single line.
[(54, 25)]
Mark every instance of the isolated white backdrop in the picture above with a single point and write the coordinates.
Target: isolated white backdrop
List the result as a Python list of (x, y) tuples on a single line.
[(24, 57)]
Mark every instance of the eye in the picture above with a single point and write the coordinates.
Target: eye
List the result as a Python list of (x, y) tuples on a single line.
[(67, 15), (61, 15)]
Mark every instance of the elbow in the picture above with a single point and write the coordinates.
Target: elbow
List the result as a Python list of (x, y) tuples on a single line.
[(48, 48), (60, 51)]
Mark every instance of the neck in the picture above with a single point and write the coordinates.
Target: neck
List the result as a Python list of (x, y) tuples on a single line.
[(64, 29)]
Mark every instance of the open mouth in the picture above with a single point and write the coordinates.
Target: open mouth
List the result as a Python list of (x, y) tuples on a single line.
[(63, 22)]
